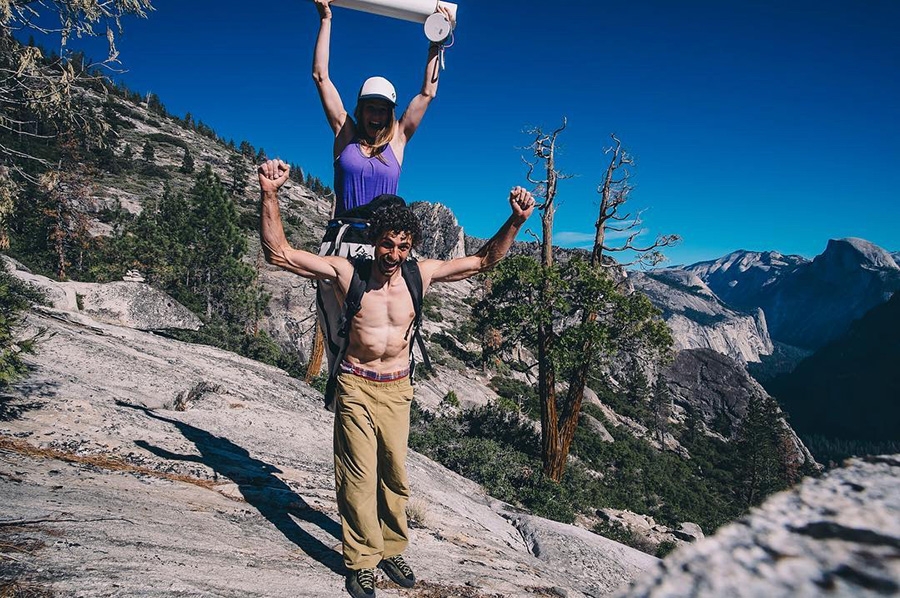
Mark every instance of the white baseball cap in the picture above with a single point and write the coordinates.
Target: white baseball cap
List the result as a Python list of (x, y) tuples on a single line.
[(377, 88)]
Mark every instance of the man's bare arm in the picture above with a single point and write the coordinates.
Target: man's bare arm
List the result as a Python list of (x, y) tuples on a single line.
[(272, 175), (522, 204)]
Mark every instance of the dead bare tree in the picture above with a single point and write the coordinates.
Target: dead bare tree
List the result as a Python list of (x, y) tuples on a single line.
[(35, 85), (543, 149), (615, 190)]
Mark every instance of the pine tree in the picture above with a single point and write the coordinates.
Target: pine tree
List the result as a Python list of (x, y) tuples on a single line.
[(760, 452), (155, 106), (220, 277), (238, 170), (525, 298), (187, 162), (15, 298), (8, 193), (55, 213), (661, 408), (147, 153), (296, 173), (638, 386), (127, 157)]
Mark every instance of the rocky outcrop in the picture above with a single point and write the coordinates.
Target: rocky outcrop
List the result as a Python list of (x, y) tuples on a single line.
[(596, 426), (711, 385), (652, 534), (818, 301), (667, 443), (571, 550), (132, 304), (290, 316), (442, 236), (699, 320), (835, 536), (714, 386)]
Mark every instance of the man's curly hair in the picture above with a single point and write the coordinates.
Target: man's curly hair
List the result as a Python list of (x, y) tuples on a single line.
[(394, 218)]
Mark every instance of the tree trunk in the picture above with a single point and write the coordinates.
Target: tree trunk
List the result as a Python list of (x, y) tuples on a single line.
[(208, 294), (547, 393), (568, 419), (59, 241), (546, 370)]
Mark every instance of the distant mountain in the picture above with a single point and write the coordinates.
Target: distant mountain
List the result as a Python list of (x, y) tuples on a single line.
[(742, 277), (698, 318), (849, 389), (806, 304), (896, 256)]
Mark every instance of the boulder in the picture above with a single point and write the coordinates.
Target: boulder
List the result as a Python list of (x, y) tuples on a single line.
[(130, 304), (442, 236), (689, 532), (834, 536), (596, 427)]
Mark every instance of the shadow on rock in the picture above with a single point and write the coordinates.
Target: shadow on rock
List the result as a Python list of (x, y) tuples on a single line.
[(13, 407), (23, 398), (259, 486)]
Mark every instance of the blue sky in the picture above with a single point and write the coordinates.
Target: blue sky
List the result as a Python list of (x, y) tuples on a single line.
[(765, 125)]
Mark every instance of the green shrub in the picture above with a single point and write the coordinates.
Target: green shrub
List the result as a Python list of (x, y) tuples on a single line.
[(520, 393), (450, 400), (320, 382), (500, 450), (665, 548), (15, 298), (431, 305)]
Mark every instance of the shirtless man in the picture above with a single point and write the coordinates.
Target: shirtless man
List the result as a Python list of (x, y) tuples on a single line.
[(374, 392)]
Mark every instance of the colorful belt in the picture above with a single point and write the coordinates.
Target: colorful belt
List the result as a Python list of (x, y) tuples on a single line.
[(349, 368)]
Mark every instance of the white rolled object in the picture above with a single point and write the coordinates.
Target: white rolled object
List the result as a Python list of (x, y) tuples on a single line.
[(417, 11)]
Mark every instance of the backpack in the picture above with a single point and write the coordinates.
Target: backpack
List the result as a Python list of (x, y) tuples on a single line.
[(348, 236)]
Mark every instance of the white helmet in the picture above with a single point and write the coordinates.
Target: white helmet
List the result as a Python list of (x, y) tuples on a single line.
[(377, 88)]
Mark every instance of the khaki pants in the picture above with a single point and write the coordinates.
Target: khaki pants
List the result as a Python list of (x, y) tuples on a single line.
[(371, 430)]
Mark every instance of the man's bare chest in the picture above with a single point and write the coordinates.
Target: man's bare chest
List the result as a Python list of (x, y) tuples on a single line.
[(390, 306)]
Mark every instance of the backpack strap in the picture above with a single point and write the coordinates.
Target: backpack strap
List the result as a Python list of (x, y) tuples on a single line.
[(362, 267), (413, 277)]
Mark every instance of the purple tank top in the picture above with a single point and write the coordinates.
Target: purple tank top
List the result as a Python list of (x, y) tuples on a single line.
[(359, 179)]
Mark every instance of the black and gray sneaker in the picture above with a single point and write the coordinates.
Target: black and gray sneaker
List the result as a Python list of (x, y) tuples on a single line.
[(399, 572), (361, 583)]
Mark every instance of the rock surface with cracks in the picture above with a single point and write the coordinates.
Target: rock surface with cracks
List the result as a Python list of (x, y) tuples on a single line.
[(137, 465), (835, 536)]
